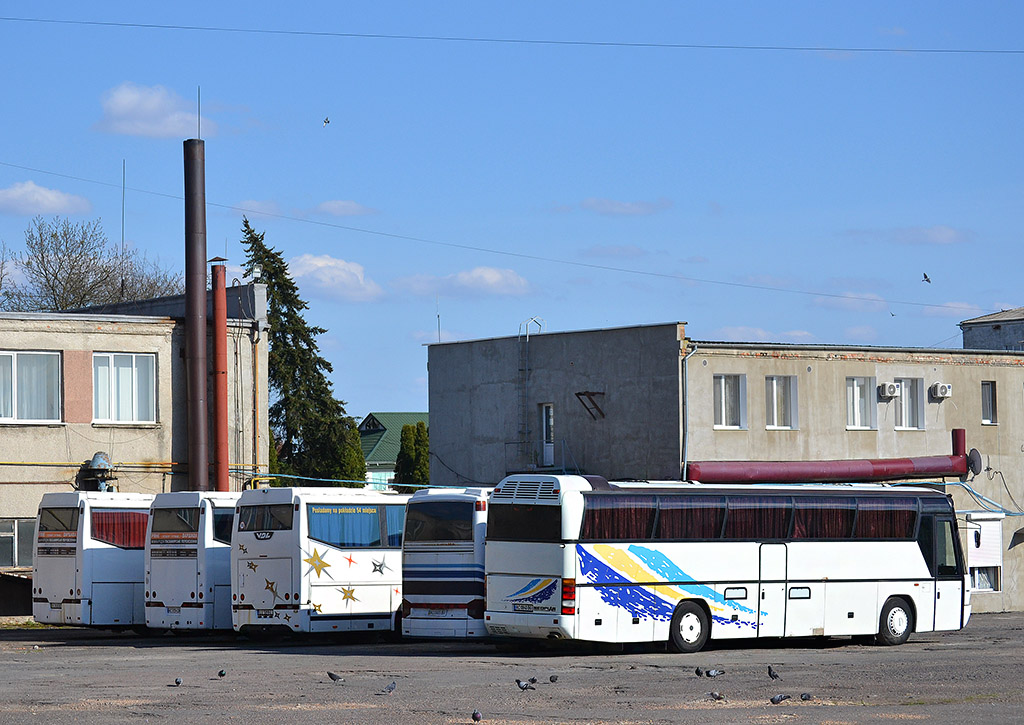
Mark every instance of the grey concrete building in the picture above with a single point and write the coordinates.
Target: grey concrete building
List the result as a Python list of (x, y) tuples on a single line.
[(998, 331), (639, 402), (112, 379)]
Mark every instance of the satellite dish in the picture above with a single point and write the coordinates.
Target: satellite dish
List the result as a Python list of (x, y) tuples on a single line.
[(974, 461)]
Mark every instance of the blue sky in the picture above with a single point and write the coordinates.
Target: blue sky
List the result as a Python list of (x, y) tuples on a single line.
[(778, 195)]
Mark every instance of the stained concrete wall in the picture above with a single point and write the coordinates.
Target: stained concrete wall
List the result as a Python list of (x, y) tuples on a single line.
[(1004, 335)]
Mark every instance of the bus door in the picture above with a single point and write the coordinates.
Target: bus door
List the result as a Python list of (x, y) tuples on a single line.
[(949, 575), (771, 605)]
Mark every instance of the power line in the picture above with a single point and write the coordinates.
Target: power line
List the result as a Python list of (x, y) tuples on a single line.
[(505, 252), (522, 41)]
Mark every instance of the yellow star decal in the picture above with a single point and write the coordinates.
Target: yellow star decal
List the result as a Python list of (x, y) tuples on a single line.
[(272, 588), (316, 608), (252, 565), (348, 594), (317, 562)]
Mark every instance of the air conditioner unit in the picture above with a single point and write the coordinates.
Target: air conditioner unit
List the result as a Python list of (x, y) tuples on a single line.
[(942, 390), (888, 390)]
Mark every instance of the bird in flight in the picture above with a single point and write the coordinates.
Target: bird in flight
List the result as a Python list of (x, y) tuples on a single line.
[(926, 278), (326, 121), (772, 673)]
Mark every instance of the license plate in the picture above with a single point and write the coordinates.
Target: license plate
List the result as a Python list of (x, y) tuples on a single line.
[(437, 612), (174, 610), (522, 607), (264, 613), (55, 605)]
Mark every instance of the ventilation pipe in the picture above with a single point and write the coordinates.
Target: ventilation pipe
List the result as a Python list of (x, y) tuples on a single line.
[(220, 377), (878, 469), (195, 315)]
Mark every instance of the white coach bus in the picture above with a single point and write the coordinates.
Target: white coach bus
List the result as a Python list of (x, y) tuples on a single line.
[(317, 559), (188, 560), (576, 558), (443, 563), (88, 565)]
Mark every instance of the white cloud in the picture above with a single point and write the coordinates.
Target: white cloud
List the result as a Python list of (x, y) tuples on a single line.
[(758, 334), (153, 111), (343, 208), (611, 207), (861, 333), (853, 301), (335, 277), (962, 310), (260, 208), (28, 199), (475, 282)]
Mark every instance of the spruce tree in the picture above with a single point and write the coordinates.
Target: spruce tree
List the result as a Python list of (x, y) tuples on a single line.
[(406, 459), (313, 434), (421, 466)]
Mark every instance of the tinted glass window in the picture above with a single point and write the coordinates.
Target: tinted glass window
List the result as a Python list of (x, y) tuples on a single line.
[(439, 521), (945, 549), (524, 522), (395, 521), (691, 517), (271, 517), (167, 521), (222, 520), (823, 518), (58, 519), (886, 518), (347, 526), (618, 518), (757, 517), (124, 529)]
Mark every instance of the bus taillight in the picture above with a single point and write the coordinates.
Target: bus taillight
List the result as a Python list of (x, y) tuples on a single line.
[(568, 596), (481, 506)]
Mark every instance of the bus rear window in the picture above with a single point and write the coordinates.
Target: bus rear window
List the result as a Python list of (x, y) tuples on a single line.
[(123, 529), (266, 517), (439, 521), (175, 521), (524, 522), (58, 519)]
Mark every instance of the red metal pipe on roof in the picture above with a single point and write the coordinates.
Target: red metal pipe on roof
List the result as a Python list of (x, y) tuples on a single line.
[(220, 378), (879, 469)]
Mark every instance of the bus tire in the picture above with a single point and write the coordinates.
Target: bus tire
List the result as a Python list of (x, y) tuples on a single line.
[(690, 627), (896, 622)]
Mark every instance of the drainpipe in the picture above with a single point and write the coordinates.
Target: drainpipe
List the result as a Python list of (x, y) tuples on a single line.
[(686, 412)]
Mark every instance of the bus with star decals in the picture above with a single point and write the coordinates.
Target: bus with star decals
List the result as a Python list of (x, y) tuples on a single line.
[(317, 560)]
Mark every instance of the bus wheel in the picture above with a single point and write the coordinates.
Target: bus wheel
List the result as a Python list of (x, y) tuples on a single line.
[(895, 623), (690, 628)]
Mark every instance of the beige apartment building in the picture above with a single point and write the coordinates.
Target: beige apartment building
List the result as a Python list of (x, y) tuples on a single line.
[(113, 381), (640, 402)]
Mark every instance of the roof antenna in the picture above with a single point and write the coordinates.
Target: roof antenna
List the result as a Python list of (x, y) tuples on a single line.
[(437, 301), (122, 228), (199, 111)]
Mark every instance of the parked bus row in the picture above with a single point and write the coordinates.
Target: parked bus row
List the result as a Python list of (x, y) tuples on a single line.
[(553, 557)]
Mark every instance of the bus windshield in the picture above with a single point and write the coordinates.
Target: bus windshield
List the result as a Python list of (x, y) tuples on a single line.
[(439, 521), (524, 522), (265, 517), (183, 520), (58, 519)]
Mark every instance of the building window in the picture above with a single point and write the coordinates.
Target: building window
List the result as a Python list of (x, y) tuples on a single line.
[(730, 401), (17, 537), (910, 404), (780, 402), (861, 410), (30, 387), (547, 426), (123, 388), (988, 402), (985, 551)]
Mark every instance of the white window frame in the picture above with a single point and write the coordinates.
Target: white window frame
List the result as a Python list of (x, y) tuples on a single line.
[(788, 384), (111, 392), (910, 404), (720, 401), (14, 356), (863, 387), (989, 407)]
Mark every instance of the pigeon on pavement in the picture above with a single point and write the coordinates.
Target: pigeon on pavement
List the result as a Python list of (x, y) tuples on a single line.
[(334, 677), (524, 686), (477, 716), (805, 696), (716, 696), (177, 682), (553, 679), (779, 698), (772, 673), (699, 672), (714, 673), (390, 688), (532, 680), (222, 673)]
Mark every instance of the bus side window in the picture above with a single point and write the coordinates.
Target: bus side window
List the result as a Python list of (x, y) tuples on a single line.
[(945, 549), (926, 541), (222, 518)]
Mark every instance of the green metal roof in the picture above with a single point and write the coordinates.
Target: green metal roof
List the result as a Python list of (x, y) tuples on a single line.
[(380, 435)]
